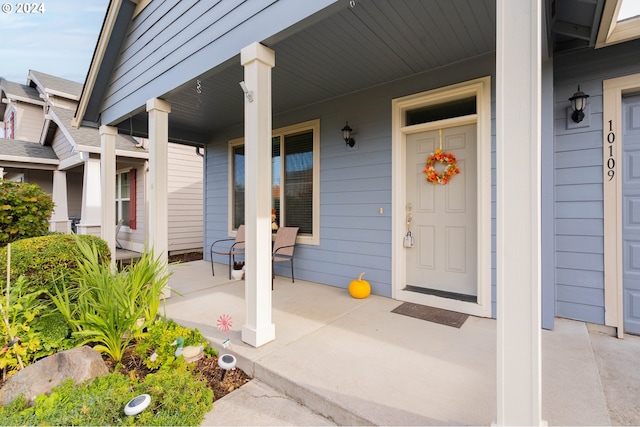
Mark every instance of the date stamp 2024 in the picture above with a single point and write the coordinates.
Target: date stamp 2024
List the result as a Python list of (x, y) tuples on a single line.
[(23, 8)]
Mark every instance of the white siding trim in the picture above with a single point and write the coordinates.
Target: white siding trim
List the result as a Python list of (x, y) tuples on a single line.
[(38, 160), (613, 89), (481, 89)]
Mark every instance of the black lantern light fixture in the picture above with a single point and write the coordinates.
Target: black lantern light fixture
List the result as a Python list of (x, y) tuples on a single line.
[(346, 134), (578, 104)]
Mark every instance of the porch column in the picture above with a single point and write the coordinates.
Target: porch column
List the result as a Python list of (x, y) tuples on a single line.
[(158, 169), (257, 61), (91, 199), (60, 217), (518, 131), (108, 167)]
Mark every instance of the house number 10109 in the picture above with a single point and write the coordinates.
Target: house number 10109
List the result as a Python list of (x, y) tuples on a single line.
[(611, 161)]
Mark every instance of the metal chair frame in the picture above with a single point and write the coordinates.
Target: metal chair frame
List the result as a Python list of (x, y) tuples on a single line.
[(237, 248)]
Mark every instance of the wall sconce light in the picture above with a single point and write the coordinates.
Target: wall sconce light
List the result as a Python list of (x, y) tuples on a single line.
[(248, 93), (578, 104), (346, 134)]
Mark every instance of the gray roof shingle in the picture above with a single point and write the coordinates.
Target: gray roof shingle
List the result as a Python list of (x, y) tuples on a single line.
[(89, 136), (22, 92), (58, 84), (33, 150)]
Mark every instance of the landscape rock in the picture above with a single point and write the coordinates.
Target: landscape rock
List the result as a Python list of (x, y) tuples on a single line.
[(80, 364)]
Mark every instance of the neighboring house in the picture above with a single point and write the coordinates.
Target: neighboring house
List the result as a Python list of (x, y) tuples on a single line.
[(540, 204), (41, 147)]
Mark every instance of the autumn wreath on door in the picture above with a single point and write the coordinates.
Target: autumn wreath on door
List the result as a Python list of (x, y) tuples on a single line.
[(450, 166)]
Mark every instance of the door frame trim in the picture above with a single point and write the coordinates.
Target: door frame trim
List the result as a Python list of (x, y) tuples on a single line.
[(481, 89), (612, 92)]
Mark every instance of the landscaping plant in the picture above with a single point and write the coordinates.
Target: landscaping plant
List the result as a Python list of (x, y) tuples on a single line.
[(108, 308), (48, 260), (18, 313), (25, 210), (177, 399), (159, 338)]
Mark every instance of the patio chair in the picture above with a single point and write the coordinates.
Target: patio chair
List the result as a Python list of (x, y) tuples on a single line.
[(237, 248), (283, 248), (118, 227)]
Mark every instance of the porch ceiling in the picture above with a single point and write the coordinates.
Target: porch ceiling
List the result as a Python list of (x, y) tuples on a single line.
[(356, 48)]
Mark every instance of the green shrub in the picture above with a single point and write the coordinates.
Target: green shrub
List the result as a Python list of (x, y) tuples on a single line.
[(177, 398), (159, 339), (55, 334), (46, 260), (20, 313), (24, 211), (42, 331), (110, 308)]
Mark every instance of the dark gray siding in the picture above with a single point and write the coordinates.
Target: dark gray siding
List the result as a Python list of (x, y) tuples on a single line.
[(578, 179), (170, 43), (354, 237)]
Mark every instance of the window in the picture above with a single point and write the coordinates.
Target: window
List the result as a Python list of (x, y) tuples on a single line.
[(294, 182), (126, 198), (620, 22), (445, 110), (9, 127)]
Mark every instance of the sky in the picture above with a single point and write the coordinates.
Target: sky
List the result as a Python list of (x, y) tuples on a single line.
[(59, 39), (629, 9)]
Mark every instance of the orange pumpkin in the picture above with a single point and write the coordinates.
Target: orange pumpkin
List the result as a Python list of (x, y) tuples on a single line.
[(359, 288)]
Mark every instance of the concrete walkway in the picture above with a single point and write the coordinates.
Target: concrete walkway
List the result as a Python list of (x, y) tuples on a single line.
[(338, 360)]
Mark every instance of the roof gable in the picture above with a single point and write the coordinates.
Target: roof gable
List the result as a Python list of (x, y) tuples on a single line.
[(20, 92), (53, 85), (87, 136)]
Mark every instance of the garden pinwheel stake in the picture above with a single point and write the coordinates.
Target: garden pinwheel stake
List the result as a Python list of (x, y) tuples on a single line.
[(224, 323), (225, 361), (447, 159)]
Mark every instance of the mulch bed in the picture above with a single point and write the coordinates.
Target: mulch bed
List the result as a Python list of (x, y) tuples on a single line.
[(207, 368), (186, 257)]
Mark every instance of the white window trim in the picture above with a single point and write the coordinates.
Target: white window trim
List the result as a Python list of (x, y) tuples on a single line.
[(125, 227), (314, 125)]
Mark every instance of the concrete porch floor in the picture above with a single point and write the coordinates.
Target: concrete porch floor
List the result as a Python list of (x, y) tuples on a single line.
[(338, 360)]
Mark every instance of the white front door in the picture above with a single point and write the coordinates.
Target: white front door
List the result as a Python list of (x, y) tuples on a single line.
[(442, 218)]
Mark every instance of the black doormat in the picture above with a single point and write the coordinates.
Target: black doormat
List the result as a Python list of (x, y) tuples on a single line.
[(431, 314)]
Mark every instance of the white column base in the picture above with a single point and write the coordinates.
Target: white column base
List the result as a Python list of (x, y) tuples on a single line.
[(91, 229), (257, 337), (60, 226)]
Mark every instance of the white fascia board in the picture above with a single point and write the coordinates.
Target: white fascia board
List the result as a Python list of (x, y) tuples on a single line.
[(96, 61), (70, 162), (22, 159), (119, 153), (13, 98), (62, 94), (45, 129), (63, 128)]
